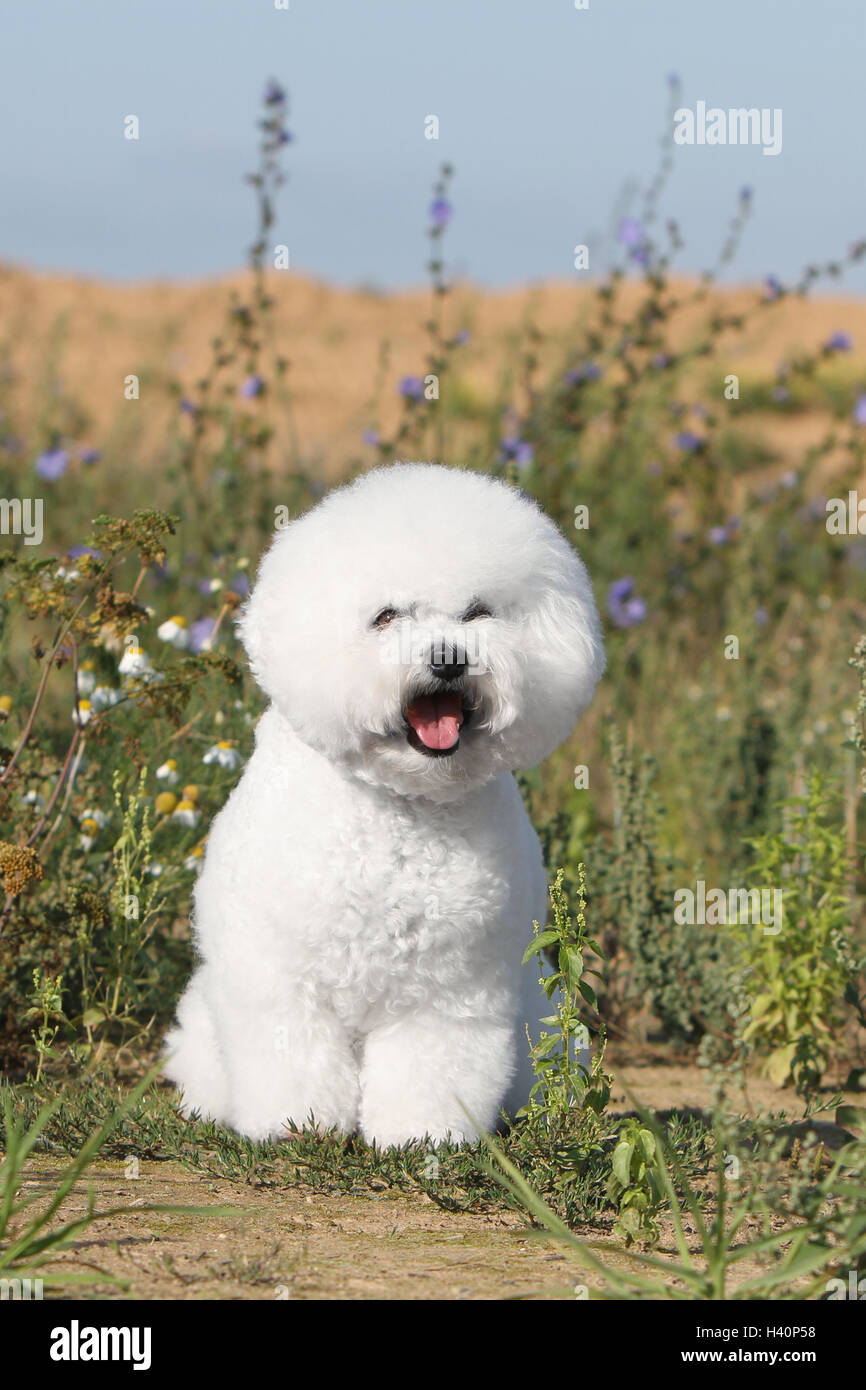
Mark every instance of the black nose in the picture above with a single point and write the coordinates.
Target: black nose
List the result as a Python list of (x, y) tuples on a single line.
[(448, 663)]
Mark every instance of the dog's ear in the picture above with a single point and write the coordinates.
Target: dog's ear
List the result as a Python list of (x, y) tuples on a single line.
[(563, 661), (264, 621), (295, 635)]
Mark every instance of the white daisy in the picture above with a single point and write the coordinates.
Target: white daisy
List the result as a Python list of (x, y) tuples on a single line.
[(167, 772), (186, 813), (104, 696), (134, 662), (224, 754), (91, 824), (195, 860), (83, 713), (174, 630)]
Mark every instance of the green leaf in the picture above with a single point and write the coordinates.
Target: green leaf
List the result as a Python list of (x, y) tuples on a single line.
[(621, 1162), (778, 1064), (588, 994)]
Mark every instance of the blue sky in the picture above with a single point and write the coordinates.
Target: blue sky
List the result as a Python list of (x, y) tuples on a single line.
[(547, 113)]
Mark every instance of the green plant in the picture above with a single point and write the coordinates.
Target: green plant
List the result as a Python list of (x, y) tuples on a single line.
[(649, 961), (47, 999), (563, 1082), (633, 1186), (796, 979)]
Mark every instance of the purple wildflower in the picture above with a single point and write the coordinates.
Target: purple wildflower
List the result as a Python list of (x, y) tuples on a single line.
[(624, 607), (762, 617), (773, 287), (187, 407), (780, 393), (590, 371), (620, 589), (839, 342), (660, 361), (200, 633), (89, 455), (371, 437), (273, 94), (52, 464), (441, 212), (517, 450), (240, 585), (412, 387), (630, 233), (688, 441), (462, 337), (718, 535), (252, 387), (76, 551), (860, 410)]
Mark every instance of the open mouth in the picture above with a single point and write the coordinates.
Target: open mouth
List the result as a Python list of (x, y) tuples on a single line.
[(435, 722)]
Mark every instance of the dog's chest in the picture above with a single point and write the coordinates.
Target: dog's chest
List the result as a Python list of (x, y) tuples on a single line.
[(433, 894)]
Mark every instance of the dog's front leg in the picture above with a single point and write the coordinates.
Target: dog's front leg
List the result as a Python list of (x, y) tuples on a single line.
[(287, 1061), (434, 1074)]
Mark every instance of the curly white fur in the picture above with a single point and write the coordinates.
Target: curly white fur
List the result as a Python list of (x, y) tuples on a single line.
[(366, 897)]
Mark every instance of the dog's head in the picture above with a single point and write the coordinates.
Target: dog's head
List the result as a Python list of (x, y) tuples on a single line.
[(427, 628)]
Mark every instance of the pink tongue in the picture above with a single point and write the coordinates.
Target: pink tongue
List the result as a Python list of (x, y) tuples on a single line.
[(436, 719)]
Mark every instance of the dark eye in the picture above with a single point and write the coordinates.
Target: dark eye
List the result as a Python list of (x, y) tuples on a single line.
[(386, 616), (476, 610)]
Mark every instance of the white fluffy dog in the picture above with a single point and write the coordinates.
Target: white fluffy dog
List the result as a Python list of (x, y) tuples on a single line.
[(369, 888)]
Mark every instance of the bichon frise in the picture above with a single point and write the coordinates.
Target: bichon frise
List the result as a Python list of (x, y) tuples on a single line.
[(370, 886)]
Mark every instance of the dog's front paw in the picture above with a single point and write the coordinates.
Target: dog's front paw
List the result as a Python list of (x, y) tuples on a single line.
[(388, 1132), (290, 1123)]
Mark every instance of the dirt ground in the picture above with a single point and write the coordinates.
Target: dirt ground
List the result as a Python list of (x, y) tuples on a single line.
[(292, 1243)]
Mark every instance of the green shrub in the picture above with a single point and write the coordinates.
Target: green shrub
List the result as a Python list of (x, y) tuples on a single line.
[(796, 982)]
